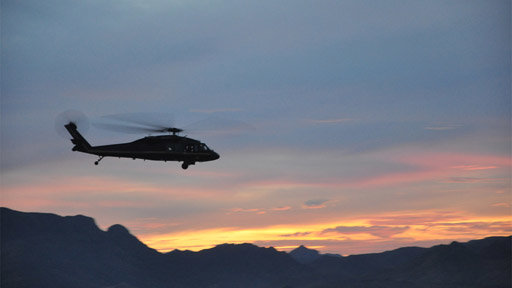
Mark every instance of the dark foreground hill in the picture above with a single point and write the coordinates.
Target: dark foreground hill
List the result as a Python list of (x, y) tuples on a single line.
[(46, 250)]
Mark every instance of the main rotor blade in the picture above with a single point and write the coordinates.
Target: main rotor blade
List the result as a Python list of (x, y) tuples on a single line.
[(154, 120), (164, 122), (125, 128)]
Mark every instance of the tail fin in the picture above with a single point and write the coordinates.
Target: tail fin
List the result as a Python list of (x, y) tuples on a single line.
[(80, 143)]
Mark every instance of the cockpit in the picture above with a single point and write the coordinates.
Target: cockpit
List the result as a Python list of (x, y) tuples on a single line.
[(203, 147)]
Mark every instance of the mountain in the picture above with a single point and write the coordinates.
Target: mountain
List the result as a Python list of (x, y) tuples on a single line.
[(46, 250), (304, 255)]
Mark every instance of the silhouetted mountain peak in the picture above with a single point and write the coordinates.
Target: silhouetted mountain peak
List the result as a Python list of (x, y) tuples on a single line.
[(242, 246), (247, 249), (21, 224), (118, 229), (303, 249), (304, 255), (81, 222)]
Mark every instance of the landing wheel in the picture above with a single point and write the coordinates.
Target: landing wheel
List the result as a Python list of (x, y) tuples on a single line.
[(184, 165), (98, 161)]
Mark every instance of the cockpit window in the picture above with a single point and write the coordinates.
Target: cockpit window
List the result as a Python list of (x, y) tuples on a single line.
[(204, 147)]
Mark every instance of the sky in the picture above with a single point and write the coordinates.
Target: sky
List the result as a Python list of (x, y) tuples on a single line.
[(374, 124)]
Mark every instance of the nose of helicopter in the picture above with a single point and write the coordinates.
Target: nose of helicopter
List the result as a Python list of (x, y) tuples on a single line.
[(214, 155)]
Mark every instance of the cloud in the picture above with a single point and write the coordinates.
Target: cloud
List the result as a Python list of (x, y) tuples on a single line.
[(473, 167), (437, 166), (379, 231), (330, 121), (493, 227), (252, 210), (216, 110), (315, 204), (502, 204), (473, 180), (258, 210), (443, 127), (298, 234), (409, 218), (283, 208)]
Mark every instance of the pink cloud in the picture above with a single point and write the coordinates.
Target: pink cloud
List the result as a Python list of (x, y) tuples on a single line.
[(258, 210), (436, 166), (457, 161), (236, 210), (503, 204), (92, 192), (473, 180), (99, 185), (284, 208), (474, 167)]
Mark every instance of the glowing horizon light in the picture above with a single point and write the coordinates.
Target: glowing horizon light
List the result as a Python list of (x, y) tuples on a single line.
[(429, 228)]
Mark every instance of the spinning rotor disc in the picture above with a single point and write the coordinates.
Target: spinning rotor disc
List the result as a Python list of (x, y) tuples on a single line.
[(71, 116)]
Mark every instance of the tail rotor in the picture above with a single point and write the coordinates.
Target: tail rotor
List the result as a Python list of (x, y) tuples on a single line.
[(71, 116)]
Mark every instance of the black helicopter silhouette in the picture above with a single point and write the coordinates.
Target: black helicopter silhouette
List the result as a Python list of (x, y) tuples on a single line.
[(159, 148)]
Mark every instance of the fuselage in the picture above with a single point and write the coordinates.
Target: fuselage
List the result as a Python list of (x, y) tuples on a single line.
[(159, 148)]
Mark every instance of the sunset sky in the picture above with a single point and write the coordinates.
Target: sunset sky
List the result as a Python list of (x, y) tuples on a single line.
[(374, 124)]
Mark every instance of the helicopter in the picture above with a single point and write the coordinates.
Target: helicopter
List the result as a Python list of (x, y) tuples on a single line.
[(172, 147)]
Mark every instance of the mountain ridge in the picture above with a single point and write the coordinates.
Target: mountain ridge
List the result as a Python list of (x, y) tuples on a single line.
[(47, 250)]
